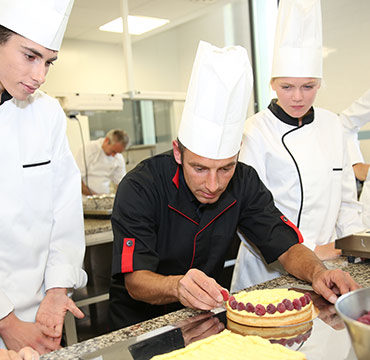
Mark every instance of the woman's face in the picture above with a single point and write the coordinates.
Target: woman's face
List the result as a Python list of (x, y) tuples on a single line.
[(295, 95)]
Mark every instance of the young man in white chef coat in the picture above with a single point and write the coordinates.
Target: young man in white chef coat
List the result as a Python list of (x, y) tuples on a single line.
[(41, 223), (298, 150)]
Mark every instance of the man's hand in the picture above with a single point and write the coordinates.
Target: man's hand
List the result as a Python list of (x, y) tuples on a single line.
[(52, 311), (331, 283), (200, 327), (26, 353), (17, 334), (198, 291)]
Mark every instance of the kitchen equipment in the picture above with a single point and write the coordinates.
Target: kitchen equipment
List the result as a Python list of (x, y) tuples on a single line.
[(355, 245), (350, 307)]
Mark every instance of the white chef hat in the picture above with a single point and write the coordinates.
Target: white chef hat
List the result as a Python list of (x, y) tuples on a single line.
[(216, 102), (298, 40), (42, 21)]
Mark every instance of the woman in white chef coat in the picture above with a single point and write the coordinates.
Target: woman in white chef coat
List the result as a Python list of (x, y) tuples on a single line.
[(41, 223), (299, 151)]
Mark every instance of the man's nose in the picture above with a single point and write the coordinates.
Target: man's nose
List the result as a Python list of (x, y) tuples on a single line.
[(39, 73), (212, 182)]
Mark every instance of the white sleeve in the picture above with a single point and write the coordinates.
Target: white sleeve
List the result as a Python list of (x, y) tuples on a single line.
[(354, 150), (365, 201), (350, 214), (358, 114), (252, 154), (67, 242), (80, 162), (6, 306), (120, 169)]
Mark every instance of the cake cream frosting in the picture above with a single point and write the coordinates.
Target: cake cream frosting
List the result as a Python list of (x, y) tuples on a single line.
[(227, 345)]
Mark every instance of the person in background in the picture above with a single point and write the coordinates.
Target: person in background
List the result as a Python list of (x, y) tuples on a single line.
[(353, 118), (176, 214), (297, 150), (101, 162), (26, 353), (42, 238)]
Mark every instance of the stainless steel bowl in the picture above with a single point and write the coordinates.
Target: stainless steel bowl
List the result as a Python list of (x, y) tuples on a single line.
[(350, 307)]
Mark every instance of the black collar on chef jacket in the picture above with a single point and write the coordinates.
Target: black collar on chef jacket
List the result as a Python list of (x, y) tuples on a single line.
[(284, 117), (185, 203), (5, 96)]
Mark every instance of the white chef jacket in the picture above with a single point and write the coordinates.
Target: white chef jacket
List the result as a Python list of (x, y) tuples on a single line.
[(353, 118), (101, 168), (329, 206), (41, 224)]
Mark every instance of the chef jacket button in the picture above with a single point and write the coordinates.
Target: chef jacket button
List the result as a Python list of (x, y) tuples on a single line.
[(129, 243)]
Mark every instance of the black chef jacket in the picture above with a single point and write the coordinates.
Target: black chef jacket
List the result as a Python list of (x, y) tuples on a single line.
[(159, 226)]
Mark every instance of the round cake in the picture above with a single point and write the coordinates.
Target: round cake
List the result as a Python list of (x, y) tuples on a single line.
[(286, 335), (269, 307)]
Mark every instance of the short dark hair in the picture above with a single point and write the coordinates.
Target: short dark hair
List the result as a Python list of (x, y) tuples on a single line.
[(182, 149), (5, 34)]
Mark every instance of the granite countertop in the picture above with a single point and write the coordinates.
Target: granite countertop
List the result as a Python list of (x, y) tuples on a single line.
[(94, 226), (360, 272)]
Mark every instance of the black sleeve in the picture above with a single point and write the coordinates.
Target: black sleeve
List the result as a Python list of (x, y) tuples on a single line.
[(134, 223), (260, 220)]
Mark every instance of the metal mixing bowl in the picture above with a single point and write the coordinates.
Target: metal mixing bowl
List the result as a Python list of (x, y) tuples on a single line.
[(350, 307)]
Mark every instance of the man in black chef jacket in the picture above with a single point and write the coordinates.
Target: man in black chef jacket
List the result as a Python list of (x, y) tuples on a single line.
[(175, 214)]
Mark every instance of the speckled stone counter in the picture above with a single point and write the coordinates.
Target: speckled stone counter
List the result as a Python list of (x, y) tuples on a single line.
[(94, 226), (360, 272)]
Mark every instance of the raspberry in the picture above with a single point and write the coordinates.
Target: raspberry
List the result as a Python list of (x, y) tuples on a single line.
[(231, 298), (365, 319), (233, 304), (225, 294), (288, 305), (290, 342), (249, 307), (260, 310), (281, 308), (308, 298), (297, 304), (240, 306), (271, 308), (298, 339), (285, 301), (302, 299), (283, 342)]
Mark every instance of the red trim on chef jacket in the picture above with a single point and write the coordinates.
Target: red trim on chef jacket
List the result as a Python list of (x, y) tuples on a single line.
[(196, 235), (289, 223), (175, 179), (171, 207), (127, 255)]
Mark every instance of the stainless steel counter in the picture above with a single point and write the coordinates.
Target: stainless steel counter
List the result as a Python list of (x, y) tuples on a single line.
[(325, 327)]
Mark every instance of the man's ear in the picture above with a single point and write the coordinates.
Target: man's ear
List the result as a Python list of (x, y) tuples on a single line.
[(176, 151), (106, 141)]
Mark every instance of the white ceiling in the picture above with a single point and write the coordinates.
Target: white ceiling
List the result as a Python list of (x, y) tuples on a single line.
[(88, 15)]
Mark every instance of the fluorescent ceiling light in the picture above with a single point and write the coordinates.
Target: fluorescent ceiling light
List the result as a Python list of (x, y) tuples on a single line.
[(137, 25)]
